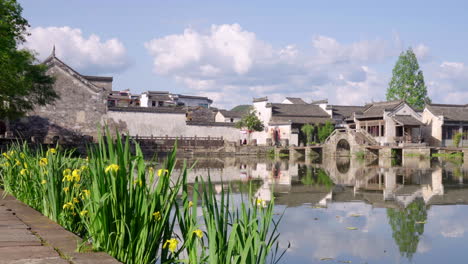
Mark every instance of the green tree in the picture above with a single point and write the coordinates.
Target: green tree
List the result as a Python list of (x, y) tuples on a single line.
[(408, 81), (23, 82), (408, 226), (308, 130), (250, 122), (325, 131)]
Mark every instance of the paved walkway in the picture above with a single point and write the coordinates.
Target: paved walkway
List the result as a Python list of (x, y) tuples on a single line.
[(26, 236)]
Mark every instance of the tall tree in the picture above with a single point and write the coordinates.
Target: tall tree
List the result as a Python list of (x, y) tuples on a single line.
[(408, 81), (23, 82)]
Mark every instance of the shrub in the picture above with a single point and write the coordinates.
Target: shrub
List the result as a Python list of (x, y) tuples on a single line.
[(457, 139)]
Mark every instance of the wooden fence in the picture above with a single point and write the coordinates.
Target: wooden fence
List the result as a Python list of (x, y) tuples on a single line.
[(167, 143)]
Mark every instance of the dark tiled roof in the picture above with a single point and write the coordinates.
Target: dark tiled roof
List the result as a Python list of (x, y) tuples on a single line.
[(307, 110), (407, 120), (346, 111), (261, 99), (276, 120), (230, 114), (449, 112), (298, 114), (156, 92), (323, 101), (296, 100), (378, 109), (98, 78), (167, 110), (215, 124)]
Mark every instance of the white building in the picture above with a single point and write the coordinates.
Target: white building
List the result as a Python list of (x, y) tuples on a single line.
[(283, 121), (164, 98)]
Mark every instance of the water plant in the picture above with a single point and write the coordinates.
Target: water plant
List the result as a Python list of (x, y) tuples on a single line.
[(136, 213)]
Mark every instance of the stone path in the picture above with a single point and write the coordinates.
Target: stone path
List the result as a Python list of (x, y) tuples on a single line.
[(26, 236)]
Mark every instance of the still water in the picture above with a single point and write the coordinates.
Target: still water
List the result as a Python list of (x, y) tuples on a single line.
[(352, 211)]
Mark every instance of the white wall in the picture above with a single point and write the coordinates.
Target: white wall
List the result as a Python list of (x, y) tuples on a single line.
[(220, 117), (173, 125), (144, 100), (433, 130)]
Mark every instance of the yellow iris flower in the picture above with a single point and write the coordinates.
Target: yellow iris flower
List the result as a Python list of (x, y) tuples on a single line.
[(157, 215), (199, 233), (162, 172), (171, 244), (112, 167)]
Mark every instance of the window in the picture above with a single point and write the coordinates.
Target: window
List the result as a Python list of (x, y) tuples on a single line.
[(373, 130), (160, 103), (465, 132), (153, 103), (232, 120), (449, 131), (110, 103), (383, 130)]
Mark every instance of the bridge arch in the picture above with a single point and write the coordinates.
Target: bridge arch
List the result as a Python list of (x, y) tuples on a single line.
[(343, 148)]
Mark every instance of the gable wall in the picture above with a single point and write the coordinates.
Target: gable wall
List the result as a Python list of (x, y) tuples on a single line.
[(433, 129), (79, 108)]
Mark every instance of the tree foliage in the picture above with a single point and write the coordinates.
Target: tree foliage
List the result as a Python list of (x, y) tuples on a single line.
[(408, 81), (23, 82), (308, 130), (325, 131), (251, 122)]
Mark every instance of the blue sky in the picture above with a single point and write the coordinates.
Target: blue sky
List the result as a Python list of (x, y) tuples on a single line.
[(233, 51)]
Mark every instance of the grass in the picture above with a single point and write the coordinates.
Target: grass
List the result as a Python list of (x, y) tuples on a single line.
[(127, 208)]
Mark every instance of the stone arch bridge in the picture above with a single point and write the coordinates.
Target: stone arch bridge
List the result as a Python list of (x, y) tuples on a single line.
[(341, 143)]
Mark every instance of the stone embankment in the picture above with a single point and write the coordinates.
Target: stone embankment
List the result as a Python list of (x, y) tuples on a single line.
[(26, 236)]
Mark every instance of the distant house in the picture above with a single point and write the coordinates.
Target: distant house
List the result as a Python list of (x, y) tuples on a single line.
[(283, 121), (444, 121), (392, 122), (157, 99), (190, 100), (164, 98), (228, 116), (122, 99)]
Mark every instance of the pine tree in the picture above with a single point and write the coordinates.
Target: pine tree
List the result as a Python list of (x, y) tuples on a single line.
[(408, 81)]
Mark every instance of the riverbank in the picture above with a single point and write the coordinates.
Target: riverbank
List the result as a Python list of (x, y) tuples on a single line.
[(30, 237)]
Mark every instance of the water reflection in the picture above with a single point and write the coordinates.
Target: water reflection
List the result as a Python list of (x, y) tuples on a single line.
[(408, 211)]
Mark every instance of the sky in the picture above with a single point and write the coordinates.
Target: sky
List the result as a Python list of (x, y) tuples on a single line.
[(233, 51)]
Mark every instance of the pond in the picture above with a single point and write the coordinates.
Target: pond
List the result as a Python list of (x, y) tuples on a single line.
[(354, 211)]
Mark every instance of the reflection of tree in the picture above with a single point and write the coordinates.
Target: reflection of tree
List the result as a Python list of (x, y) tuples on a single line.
[(314, 176), (408, 225)]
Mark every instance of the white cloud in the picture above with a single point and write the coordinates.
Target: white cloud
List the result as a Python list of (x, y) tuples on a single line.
[(330, 51), (447, 81), (90, 55), (422, 52), (230, 62)]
